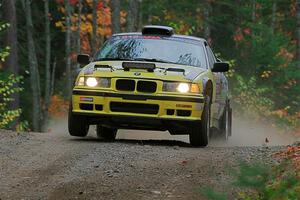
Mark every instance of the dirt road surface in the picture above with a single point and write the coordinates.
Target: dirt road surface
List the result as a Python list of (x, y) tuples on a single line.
[(139, 165)]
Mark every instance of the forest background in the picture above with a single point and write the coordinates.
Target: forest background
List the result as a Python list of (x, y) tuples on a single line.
[(41, 38)]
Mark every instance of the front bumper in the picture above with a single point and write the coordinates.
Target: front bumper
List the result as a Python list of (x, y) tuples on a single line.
[(110, 104)]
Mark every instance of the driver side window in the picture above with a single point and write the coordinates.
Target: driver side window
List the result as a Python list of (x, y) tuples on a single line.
[(211, 57)]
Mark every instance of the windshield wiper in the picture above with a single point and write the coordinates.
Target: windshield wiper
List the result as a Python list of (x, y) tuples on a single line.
[(153, 60), (104, 59), (137, 59)]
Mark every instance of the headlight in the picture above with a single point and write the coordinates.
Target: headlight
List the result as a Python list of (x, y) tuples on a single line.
[(104, 82), (170, 86), (94, 82), (181, 87), (91, 82), (80, 81)]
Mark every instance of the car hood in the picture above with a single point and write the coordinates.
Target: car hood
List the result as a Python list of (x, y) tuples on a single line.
[(115, 69)]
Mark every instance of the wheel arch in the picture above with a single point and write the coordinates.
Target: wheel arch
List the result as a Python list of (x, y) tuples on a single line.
[(208, 88)]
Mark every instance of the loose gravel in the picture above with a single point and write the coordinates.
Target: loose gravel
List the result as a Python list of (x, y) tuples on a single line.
[(57, 166)]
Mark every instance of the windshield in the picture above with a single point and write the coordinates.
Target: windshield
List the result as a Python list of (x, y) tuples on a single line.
[(153, 48)]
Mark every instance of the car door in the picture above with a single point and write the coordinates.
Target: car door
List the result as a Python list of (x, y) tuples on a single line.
[(221, 87)]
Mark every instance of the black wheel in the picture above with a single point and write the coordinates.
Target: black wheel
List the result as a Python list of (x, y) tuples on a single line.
[(226, 125), (106, 133), (77, 124), (200, 133), (230, 121)]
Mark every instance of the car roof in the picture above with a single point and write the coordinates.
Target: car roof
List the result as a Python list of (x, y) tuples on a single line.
[(175, 35)]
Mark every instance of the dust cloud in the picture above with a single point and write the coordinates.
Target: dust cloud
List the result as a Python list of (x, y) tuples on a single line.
[(253, 133), (58, 126), (245, 133)]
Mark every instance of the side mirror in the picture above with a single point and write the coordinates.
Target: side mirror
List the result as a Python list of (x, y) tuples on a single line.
[(83, 59), (220, 67)]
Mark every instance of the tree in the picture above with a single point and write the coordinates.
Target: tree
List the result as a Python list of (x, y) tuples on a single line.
[(298, 32), (68, 48), (207, 29), (34, 69), (253, 10), (133, 16), (9, 84), (11, 64), (79, 28), (87, 29), (274, 12), (95, 26), (115, 16), (47, 60)]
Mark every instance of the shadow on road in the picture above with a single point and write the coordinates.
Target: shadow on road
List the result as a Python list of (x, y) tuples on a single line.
[(132, 141)]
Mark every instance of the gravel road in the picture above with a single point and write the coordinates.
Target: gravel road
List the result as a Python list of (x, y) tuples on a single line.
[(57, 166)]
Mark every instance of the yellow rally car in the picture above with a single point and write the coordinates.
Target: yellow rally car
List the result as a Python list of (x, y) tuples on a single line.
[(153, 80)]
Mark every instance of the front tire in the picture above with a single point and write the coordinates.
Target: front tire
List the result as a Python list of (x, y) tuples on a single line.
[(200, 133), (77, 124), (105, 133)]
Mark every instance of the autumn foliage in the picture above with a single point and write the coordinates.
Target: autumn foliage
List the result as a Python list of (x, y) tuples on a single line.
[(86, 28), (58, 107), (292, 153)]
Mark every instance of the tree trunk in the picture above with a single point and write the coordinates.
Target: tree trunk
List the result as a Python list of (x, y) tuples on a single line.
[(133, 15), (102, 24), (47, 64), (298, 32), (207, 30), (68, 49), (140, 15), (79, 29), (253, 10), (253, 18), (34, 71), (115, 15), (9, 14), (95, 26), (150, 11), (53, 77), (274, 11), (11, 63)]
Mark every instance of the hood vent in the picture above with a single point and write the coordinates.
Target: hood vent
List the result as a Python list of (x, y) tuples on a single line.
[(179, 70), (137, 65), (103, 67)]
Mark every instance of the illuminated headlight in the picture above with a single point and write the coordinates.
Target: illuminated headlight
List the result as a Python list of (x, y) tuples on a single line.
[(181, 87), (91, 82), (94, 82)]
